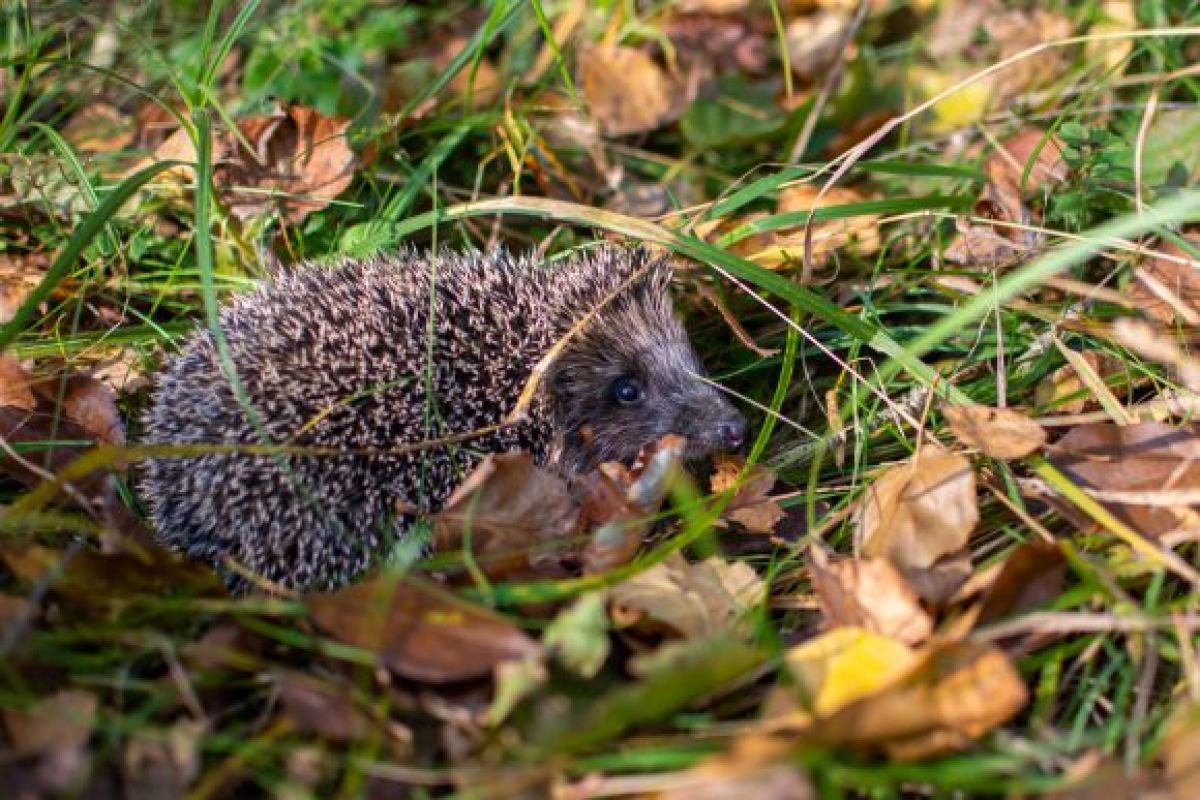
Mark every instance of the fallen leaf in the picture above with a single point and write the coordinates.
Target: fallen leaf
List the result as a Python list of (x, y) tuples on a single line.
[(320, 707), (1014, 31), (750, 507), (298, 162), (813, 40), (53, 734), (1167, 290), (19, 274), (1115, 16), (845, 665), (869, 594), (950, 696), (1030, 154), (917, 512), (420, 632), (99, 128), (627, 92), (618, 503), (479, 82), (1181, 752), (1027, 163), (162, 764), (1031, 577), (507, 509), (713, 44), (688, 600), (939, 583), (1136, 468), (1001, 433), (72, 412), (62, 721), (982, 247)]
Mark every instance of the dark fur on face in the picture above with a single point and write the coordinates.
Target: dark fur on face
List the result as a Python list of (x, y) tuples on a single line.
[(630, 376)]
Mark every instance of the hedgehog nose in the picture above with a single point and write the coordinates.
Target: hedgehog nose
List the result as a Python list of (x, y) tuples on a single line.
[(732, 432)]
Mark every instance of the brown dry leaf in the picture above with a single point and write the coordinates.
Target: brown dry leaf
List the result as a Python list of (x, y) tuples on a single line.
[(982, 247), (1152, 343), (860, 234), (479, 83), (1181, 752), (618, 503), (162, 764), (712, 44), (298, 161), (998, 432), (750, 507), (1065, 392), (627, 92), (69, 410), (320, 707), (916, 513), (1015, 158), (15, 389), (1136, 468), (19, 274), (952, 695), (869, 594), (53, 734), (99, 128), (1167, 290), (508, 509), (1014, 31), (421, 632), (88, 403), (985, 246), (62, 721), (813, 40), (687, 600), (1032, 575)]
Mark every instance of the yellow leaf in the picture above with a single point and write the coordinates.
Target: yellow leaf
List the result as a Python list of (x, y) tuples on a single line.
[(847, 664)]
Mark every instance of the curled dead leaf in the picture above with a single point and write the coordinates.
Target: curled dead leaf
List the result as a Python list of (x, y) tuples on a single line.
[(298, 161), (618, 503), (508, 509), (915, 513), (750, 507), (869, 594), (1001, 433), (688, 600), (420, 632), (1165, 289), (1146, 474), (628, 92)]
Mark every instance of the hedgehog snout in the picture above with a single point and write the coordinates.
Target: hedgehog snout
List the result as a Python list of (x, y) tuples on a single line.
[(712, 423)]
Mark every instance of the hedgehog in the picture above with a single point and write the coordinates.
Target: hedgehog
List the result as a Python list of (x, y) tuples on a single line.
[(377, 385)]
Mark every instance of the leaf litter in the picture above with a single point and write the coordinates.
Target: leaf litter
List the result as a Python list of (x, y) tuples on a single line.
[(559, 626)]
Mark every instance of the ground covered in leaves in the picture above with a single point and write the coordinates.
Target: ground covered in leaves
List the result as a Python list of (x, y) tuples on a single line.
[(941, 252)]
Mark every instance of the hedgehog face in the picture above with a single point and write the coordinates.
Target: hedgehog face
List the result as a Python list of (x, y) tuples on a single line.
[(633, 377)]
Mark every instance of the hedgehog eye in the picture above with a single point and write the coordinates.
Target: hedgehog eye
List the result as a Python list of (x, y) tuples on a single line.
[(626, 390)]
